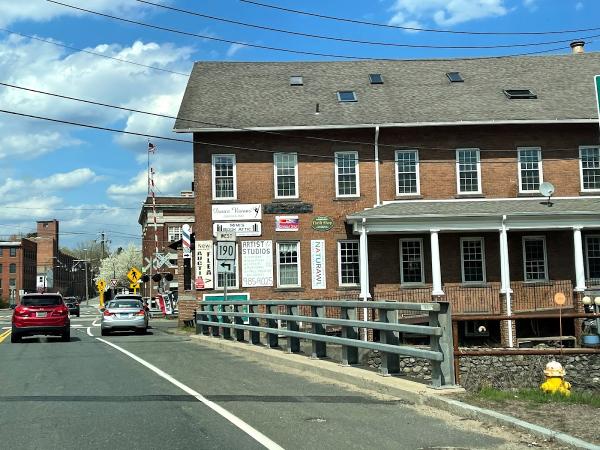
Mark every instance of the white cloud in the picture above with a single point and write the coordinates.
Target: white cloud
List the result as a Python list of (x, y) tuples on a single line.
[(531, 4), (233, 49), (167, 183), (578, 6), (445, 12)]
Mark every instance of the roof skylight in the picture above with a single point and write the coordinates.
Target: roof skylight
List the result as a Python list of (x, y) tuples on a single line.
[(375, 78), (455, 77), (519, 93), (296, 80), (347, 96)]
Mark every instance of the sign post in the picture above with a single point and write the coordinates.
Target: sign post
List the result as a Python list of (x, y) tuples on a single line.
[(226, 250)]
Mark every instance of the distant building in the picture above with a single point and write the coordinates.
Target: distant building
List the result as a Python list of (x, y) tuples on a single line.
[(172, 212), (17, 269)]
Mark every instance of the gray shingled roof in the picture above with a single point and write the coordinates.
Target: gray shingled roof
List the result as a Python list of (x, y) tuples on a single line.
[(477, 208), (259, 95)]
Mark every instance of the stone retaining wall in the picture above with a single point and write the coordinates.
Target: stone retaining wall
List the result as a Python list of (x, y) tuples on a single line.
[(506, 372)]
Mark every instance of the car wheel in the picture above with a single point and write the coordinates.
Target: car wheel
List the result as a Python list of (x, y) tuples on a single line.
[(15, 338), (66, 336), (104, 332)]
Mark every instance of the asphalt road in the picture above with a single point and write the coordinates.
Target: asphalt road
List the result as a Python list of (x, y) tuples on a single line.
[(162, 391)]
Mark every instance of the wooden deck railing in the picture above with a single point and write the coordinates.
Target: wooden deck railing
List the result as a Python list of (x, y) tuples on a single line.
[(538, 296)]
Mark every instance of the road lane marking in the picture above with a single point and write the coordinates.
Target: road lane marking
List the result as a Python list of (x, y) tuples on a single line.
[(249, 430), (94, 324), (89, 331), (76, 326), (4, 335)]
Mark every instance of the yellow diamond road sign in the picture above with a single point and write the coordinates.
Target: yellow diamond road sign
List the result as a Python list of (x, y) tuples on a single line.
[(134, 275), (134, 285)]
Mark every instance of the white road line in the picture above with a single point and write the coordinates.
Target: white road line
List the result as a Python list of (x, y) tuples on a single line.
[(76, 326), (94, 324), (89, 331), (250, 431)]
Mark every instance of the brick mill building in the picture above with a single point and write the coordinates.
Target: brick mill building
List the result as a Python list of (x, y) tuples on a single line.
[(17, 269), (402, 180)]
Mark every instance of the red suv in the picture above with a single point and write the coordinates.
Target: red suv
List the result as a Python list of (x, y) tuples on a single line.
[(41, 314)]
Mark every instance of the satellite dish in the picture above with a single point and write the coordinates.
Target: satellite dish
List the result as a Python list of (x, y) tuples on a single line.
[(546, 189)]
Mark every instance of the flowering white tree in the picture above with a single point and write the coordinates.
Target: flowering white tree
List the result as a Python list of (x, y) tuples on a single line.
[(119, 263)]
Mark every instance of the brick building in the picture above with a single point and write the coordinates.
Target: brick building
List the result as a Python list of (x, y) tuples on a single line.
[(17, 269), (172, 212), (416, 180)]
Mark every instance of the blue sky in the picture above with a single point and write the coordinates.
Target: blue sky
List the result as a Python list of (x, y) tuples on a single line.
[(95, 181)]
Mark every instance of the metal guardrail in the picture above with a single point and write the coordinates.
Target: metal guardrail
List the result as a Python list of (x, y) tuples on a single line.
[(219, 318)]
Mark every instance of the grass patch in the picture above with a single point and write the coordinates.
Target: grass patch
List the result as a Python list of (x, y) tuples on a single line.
[(537, 396)]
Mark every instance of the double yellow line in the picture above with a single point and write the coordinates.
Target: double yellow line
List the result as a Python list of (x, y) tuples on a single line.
[(4, 335)]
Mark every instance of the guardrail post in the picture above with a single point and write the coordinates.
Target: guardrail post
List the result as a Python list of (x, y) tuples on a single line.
[(254, 335), (239, 334), (200, 327), (226, 320), (273, 338), (390, 362), (319, 349), (442, 372), (293, 343), (349, 354), (215, 320)]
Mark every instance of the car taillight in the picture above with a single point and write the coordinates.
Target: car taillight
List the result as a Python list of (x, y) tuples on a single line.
[(107, 313), (140, 313), (21, 312), (60, 311)]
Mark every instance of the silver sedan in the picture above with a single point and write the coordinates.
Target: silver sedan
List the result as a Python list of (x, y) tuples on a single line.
[(123, 315)]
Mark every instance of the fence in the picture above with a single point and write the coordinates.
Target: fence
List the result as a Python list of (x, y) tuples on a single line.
[(218, 318), (540, 295)]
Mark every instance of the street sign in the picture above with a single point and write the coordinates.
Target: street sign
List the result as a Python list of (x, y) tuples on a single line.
[(134, 275), (101, 285), (225, 251), (228, 236), (134, 285), (113, 283), (226, 267)]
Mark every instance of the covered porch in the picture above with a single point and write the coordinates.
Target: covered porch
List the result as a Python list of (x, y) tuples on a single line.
[(483, 256)]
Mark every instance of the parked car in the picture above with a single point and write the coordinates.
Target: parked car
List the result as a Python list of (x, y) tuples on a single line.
[(41, 314), (124, 313), (73, 305)]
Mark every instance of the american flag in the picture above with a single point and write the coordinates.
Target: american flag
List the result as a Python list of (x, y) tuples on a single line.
[(151, 147)]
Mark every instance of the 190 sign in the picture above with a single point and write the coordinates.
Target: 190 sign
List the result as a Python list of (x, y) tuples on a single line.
[(225, 251)]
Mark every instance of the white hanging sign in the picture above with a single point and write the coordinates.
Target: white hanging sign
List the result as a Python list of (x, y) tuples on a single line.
[(239, 228), (317, 264), (257, 263), (204, 265), (237, 212)]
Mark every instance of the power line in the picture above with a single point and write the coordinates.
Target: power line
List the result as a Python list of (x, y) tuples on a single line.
[(253, 149), (279, 49), (353, 41), (95, 53), (431, 30)]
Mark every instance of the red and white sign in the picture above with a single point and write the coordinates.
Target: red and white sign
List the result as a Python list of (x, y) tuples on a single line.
[(161, 303), (199, 283), (287, 223)]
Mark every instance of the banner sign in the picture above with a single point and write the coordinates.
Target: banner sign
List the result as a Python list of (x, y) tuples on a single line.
[(237, 212), (204, 265), (317, 264), (287, 223), (239, 228), (257, 263)]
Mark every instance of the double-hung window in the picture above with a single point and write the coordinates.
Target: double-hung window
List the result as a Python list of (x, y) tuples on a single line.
[(592, 253), (347, 183), (288, 264), (589, 166), (411, 261), (407, 172), (12, 251), (468, 171), (286, 175), (224, 184), (174, 234), (530, 169), (12, 268), (348, 263), (535, 265), (473, 260)]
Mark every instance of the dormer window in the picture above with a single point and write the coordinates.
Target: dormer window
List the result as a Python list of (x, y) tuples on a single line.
[(296, 80), (519, 93), (347, 96)]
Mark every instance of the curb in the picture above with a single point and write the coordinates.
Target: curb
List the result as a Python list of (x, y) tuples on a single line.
[(407, 390)]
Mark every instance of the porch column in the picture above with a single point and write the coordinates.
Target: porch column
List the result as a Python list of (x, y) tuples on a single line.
[(505, 289), (436, 273), (579, 271), (364, 275)]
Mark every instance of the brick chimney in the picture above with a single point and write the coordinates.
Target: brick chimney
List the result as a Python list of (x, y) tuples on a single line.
[(577, 47)]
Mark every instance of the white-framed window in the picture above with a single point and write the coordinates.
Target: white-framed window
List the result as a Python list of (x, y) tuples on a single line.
[(530, 169), (174, 233), (592, 256), (348, 263), (347, 182), (224, 183), (535, 264), (285, 172), (232, 278), (472, 253), (589, 168), (407, 172), (411, 262), (288, 264), (468, 171)]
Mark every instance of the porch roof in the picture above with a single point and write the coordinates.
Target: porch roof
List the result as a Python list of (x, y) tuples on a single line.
[(477, 214)]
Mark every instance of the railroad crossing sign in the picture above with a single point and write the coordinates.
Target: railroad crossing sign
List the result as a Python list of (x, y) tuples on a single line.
[(101, 285), (226, 266), (134, 275)]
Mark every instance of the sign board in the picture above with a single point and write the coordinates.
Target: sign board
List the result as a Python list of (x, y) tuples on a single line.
[(113, 283), (226, 266), (134, 274), (322, 223), (186, 241), (204, 265), (134, 285), (317, 264), (225, 251), (40, 281), (239, 228), (237, 212), (287, 223), (257, 263), (228, 236), (237, 297)]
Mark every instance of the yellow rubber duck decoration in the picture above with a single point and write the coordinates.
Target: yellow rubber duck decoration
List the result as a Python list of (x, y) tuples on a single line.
[(555, 380)]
